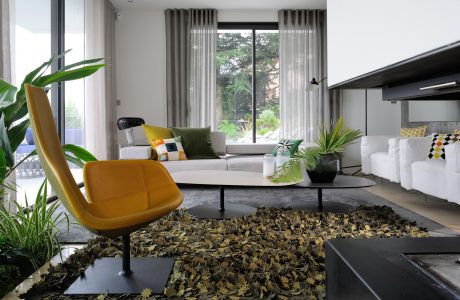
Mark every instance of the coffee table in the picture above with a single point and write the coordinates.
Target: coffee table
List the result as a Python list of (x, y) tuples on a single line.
[(223, 179), (340, 182)]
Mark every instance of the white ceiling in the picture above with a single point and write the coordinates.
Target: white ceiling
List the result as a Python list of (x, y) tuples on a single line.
[(219, 4)]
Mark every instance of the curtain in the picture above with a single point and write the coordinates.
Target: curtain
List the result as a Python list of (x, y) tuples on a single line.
[(5, 50), (202, 89), (5, 74), (100, 87), (177, 66), (303, 56)]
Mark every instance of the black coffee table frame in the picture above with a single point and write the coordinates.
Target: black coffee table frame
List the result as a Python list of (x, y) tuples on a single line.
[(340, 182)]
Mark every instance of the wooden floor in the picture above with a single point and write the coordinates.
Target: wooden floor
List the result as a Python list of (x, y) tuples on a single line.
[(438, 210)]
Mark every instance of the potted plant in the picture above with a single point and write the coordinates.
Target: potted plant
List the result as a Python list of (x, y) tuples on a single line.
[(322, 161)]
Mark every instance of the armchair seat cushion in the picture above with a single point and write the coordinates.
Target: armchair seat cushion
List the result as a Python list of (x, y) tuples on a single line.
[(384, 165), (429, 177)]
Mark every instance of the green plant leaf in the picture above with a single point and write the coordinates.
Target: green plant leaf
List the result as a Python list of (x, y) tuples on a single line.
[(7, 92), (79, 152), (17, 134), (67, 75), (2, 166), (5, 143), (83, 62)]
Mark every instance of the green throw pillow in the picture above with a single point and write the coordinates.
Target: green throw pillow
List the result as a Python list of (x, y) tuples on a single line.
[(196, 142), (292, 145)]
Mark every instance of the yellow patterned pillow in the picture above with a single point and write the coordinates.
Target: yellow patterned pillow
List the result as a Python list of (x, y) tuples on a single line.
[(170, 149), (457, 131), (153, 133), (413, 132)]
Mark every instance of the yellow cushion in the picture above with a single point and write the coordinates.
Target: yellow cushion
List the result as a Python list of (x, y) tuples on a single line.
[(457, 131), (413, 132), (153, 133)]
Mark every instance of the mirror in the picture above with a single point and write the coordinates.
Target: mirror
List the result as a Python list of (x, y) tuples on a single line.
[(434, 111)]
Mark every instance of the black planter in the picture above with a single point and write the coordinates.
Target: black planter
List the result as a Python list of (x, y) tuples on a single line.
[(326, 169)]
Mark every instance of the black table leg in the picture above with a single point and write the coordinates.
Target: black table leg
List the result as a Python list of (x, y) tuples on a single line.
[(320, 200), (221, 211), (222, 199)]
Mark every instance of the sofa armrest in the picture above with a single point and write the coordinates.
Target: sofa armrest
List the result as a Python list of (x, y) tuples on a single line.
[(410, 151), (371, 145), (136, 152), (453, 157)]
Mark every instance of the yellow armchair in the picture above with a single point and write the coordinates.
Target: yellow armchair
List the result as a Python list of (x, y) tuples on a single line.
[(121, 197)]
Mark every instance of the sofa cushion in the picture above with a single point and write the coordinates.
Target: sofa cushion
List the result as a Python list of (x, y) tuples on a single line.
[(441, 140), (248, 163), (153, 133), (198, 164), (384, 165), (250, 148), (170, 149), (196, 141), (413, 132), (429, 177), (218, 142)]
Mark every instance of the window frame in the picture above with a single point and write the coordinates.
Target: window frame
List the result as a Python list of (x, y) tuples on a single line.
[(253, 26)]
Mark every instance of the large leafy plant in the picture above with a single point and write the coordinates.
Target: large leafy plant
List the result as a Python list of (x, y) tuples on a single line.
[(330, 140), (14, 119)]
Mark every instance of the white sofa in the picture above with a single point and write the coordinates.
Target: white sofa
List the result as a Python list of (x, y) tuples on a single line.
[(380, 156), (233, 157), (405, 160)]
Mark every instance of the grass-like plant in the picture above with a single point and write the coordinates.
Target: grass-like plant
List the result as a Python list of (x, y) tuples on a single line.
[(34, 229), (330, 139)]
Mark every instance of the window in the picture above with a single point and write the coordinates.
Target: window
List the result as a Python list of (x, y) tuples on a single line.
[(37, 36), (248, 82)]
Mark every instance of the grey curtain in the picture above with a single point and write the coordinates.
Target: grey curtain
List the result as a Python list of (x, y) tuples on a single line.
[(202, 81), (5, 55), (110, 80), (303, 56), (177, 66)]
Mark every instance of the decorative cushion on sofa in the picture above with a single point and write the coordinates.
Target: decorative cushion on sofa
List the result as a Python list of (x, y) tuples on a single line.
[(292, 145), (170, 149), (413, 132), (457, 131), (441, 140), (197, 142), (153, 133)]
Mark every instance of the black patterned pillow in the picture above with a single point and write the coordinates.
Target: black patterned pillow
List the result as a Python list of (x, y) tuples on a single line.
[(441, 140)]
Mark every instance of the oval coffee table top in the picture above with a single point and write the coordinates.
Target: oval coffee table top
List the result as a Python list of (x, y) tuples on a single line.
[(224, 178), (340, 182)]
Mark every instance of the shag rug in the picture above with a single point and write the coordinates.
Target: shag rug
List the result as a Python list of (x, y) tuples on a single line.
[(274, 253)]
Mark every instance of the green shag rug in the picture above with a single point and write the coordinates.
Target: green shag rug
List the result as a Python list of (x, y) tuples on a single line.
[(275, 253)]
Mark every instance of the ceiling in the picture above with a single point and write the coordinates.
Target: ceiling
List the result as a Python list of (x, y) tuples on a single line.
[(219, 4)]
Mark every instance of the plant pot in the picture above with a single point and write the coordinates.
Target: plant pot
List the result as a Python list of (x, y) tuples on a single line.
[(326, 169)]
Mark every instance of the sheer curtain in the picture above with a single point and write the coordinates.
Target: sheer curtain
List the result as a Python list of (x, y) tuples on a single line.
[(202, 81), (99, 88), (303, 57)]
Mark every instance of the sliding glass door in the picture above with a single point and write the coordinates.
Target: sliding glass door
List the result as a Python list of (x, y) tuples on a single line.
[(248, 82), (36, 38)]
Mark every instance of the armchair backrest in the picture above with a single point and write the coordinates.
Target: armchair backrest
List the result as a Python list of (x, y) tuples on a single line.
[(50, 151)]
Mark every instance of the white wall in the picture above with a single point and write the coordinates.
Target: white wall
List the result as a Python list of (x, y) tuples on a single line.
[(365, 35), (383, 118), (141, 68), (141, 62)]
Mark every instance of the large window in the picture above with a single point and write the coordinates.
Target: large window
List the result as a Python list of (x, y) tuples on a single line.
[(43, 28), (248, 82)]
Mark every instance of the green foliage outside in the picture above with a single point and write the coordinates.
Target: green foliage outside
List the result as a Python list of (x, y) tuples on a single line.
[(73, 117), (234, 82)]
